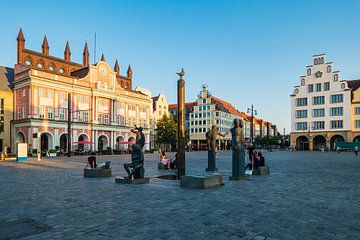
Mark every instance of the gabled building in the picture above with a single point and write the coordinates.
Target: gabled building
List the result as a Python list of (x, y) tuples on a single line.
[(6, 106), (324, 108), (99, 100)]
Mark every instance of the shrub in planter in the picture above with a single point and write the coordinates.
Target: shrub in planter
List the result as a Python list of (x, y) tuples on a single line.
[(52, 152), (34, 152)]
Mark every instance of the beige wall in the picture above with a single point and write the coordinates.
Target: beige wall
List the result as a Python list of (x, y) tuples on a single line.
[(8, 116)]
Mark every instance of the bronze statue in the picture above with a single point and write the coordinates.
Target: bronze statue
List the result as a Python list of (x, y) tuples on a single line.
[(211, 137), (238, 150), (182, 73), (137, 156)]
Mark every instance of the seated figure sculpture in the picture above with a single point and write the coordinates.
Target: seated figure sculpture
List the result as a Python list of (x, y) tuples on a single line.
[(136, 167)]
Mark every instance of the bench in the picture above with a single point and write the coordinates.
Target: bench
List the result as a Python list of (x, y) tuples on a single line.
[(97, 172), (264, 170)]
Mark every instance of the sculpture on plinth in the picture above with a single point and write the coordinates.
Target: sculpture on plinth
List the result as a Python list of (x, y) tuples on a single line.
[(136, 167), (211, 137), (238, 150)]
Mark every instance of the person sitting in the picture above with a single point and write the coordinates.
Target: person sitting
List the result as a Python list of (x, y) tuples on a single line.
[(174, 163), (165, 160), (261, 159), (104, 165), (92, 161), (255, 162)]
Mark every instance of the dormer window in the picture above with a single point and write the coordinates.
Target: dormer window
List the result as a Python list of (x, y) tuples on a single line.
[(39, 65), (309, 72), (336, 77), (61, 70), (302, 82), (51, 68), (328, 69), (28, 62)]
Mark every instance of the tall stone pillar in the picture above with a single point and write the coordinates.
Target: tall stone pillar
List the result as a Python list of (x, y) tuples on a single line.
[(181, 124)]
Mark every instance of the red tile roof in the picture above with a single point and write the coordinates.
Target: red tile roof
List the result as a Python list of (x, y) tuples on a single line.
[(187, 105), (225, 106)]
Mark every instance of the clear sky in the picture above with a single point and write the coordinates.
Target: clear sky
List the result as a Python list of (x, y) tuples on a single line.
[(247, 52)]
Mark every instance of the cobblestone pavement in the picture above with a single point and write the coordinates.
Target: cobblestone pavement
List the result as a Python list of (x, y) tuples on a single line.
[(306, 196)]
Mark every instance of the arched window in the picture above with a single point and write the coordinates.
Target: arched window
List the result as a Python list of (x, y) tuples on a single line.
[(328, 69), (316, 61), (309, 72), (336, 77)]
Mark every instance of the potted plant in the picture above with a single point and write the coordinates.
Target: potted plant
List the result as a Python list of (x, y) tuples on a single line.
[(34, 152), (52, 152)]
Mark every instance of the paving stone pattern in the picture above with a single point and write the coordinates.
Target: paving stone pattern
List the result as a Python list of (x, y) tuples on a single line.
[(306, 196)]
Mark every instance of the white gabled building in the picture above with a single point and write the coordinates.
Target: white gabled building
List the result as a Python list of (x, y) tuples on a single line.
[(320, 107)]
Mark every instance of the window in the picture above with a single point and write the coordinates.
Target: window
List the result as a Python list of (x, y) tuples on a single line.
[(50, 113), (299, 102), (326, 86), (62, 114), (80, 116), (42, 92), (200, 108), (301, 126), (51, 68), (336, 124), (80, 98), (24, 92), (19, 113), (39, 65), (28, 62), (41, 112), (208, 114), (357, 111), (318, 87), (61, 70), (301, 114), (319, 112), (302, 82), (318, 125), (99, 118), (106, 117), (336, 77), (310, 88), (318, 100), (200, 115), (62, 97), (309, 72), (336, 111), (1, 124), (50, 94), (328, 69), (200, 129), (86, 117), (23, 112), (337, 98), (1, 106), (357, 123), (86, 99), (106, 103), (343, 86), (208, 107)]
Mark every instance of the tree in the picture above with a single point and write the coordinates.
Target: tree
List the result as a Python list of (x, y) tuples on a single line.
[(166, 129)]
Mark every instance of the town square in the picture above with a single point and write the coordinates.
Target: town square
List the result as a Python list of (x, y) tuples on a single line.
[(180, 120)]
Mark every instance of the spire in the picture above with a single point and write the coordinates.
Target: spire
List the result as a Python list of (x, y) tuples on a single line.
[(86, 55), (45, 46), (67, 52), (20, 46), (20, 36), (129, 72), (102, 57), (117, 68)]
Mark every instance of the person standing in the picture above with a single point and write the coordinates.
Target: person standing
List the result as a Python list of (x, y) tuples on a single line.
[(356, 150)]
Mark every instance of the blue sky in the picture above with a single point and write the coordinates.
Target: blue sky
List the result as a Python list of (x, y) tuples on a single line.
[(247, 52)]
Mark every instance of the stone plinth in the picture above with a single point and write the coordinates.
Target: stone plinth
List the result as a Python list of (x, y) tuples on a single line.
[(264, 170), (97, 172), (122, 180), (237, 178), (201, 182)]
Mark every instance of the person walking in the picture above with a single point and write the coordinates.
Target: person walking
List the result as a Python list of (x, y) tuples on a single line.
[(356, 150)]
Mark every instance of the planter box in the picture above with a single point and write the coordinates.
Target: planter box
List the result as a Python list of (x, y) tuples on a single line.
[(52, 154), (201, 182)]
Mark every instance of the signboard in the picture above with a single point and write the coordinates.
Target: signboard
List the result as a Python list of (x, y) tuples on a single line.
[(21, 152)]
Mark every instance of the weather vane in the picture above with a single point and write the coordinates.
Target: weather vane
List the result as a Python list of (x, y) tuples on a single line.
[(181, 74)]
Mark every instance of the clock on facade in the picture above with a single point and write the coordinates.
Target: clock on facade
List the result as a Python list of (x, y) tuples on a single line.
[(103, 71)]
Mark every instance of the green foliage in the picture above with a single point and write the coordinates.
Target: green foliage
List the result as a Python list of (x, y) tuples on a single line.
[(52, 150), (166, 130), (272, 140), (34, 150)]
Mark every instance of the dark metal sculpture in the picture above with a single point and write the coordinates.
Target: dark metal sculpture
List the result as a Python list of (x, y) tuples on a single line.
[(238, 150), (136, 167)]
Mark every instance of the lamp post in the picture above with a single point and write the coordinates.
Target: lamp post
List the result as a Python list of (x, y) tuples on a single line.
[(252, 111)]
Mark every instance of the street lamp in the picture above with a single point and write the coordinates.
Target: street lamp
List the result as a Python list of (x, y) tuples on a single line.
[(252, 111)]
